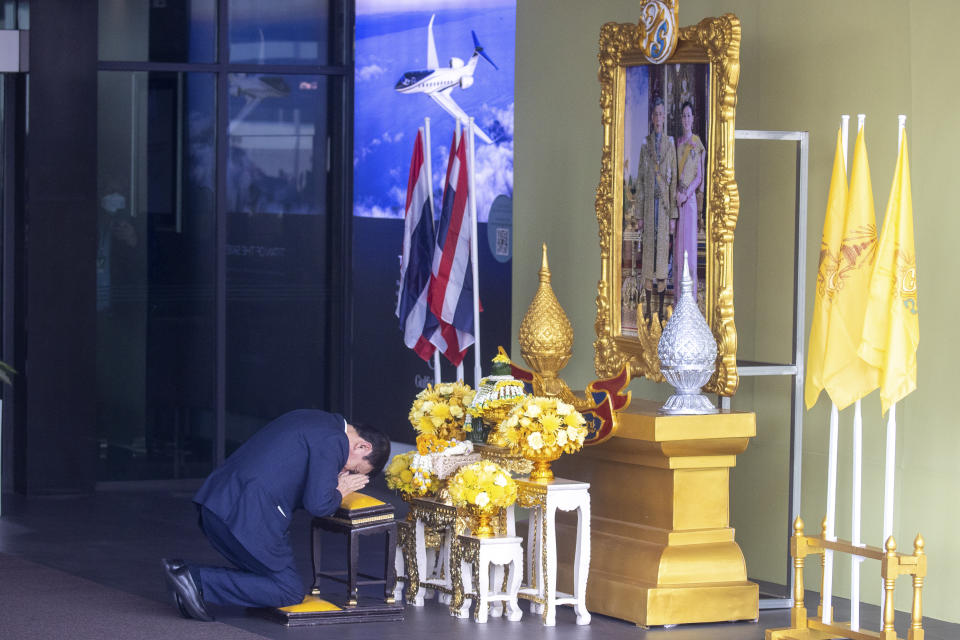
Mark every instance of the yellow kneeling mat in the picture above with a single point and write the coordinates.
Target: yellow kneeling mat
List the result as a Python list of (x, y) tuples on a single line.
[(311, 604)]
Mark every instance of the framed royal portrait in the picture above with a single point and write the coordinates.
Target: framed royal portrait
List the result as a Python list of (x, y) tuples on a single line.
[(667, 198)]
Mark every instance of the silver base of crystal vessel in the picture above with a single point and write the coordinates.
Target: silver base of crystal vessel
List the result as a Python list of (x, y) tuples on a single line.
[(688, 404), (687, 400)]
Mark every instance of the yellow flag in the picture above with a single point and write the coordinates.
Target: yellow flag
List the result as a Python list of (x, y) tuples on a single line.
[(826, 276), (846, 376), (891, 330)]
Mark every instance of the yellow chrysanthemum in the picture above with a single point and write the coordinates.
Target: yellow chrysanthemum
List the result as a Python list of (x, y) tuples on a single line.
[(549, 422), (574, 419)]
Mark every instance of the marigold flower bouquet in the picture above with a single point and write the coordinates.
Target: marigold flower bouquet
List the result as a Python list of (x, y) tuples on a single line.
[(483, 488), (440, 410), (541, 429)]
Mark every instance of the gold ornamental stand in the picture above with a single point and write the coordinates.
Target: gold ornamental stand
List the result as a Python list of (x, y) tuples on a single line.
[(892, 566), (663, 549)]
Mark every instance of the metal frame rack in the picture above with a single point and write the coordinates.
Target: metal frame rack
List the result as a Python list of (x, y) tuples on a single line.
[(795, 368)]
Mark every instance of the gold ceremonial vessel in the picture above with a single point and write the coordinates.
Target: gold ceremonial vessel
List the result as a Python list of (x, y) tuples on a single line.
[(482, 520), (546, 336), (541, 463)]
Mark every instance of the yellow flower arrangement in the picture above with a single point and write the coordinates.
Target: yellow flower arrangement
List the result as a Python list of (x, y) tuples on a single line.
[(440, 410), (541, 429), (407, 474), (482, 484), (398, 474)]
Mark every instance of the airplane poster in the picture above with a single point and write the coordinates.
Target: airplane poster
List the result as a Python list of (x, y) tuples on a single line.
[(442, 59)]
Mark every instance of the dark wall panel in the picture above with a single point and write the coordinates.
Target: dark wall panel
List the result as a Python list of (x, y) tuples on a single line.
[(57, 425)]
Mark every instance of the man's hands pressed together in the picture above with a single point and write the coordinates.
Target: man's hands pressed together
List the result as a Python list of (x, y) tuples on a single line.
[(348, 482)]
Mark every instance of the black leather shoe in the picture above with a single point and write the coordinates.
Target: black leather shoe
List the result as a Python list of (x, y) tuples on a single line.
[(186, 595), (175, 564)]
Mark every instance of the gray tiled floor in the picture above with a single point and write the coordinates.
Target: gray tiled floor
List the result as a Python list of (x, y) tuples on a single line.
[(115, 539)]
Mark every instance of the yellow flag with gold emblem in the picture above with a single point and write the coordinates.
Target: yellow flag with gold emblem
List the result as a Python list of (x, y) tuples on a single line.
[(846, 376), (891, 329), (826, 276)]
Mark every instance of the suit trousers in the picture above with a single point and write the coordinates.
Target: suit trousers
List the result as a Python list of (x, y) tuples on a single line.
[(250, 583)]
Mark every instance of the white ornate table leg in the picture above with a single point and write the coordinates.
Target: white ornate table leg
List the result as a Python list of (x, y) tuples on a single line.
[(497, 574), (400, 569), (581, 566), (513, 586), (496, 608), (534, 568), (482, 583), (550, 563), (422, 569)]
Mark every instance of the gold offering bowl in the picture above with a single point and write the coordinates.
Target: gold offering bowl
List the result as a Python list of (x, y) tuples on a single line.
[(541, 460), (482, 520)]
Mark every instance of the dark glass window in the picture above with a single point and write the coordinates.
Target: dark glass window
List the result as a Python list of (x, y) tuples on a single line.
[(158, 30), (277, 221), (287, 32), (155, 274)]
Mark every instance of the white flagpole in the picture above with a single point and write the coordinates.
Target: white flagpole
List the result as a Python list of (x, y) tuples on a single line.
[(891, 457), (429, 167), (456, 140), (474, 254), (857, 482), (855, 518), (827, 595)]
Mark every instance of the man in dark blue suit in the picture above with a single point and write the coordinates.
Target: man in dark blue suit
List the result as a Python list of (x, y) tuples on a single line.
[(304, 459)]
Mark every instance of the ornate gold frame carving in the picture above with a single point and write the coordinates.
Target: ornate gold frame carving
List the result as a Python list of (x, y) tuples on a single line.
[(715, 41)]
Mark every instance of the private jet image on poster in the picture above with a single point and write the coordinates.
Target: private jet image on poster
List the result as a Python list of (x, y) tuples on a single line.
[(448, 61)]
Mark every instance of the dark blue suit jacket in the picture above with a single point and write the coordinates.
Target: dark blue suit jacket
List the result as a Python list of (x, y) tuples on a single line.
[(289, 464)]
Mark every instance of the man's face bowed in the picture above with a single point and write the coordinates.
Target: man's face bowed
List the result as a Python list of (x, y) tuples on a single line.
[(355, 460)]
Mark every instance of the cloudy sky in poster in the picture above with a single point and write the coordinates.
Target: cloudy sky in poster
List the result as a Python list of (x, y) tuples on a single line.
[(391, 38)]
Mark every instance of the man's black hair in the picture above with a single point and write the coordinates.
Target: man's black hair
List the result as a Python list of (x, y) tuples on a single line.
[(380, 453)]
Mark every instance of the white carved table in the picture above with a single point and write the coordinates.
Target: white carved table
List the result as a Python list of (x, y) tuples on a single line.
[(481, 557), (544, 499)]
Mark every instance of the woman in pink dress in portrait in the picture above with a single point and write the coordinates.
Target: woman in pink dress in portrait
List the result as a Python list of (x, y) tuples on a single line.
[(690, 154)]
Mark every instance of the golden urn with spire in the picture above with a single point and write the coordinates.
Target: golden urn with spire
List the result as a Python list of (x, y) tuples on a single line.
[(546, 336)]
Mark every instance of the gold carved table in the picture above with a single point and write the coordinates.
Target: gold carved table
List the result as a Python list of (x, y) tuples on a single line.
[(428, 514), (664, 551), (544, 500)]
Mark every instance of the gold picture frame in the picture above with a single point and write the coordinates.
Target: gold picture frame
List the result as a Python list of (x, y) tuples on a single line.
[(701, 75)]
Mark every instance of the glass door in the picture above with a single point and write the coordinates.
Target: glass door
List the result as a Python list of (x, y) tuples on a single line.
[(221, 128)]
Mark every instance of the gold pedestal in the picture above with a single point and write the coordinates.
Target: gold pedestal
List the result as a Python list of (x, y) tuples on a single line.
[(663, 550)]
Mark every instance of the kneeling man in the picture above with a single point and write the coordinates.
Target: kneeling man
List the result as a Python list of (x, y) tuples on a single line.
[(304, 459)]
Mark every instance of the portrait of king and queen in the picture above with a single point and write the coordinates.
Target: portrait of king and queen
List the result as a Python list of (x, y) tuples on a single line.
[(664, 184)]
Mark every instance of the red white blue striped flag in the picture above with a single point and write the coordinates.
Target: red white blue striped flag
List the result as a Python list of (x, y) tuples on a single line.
[(416, 320), (451, 281)]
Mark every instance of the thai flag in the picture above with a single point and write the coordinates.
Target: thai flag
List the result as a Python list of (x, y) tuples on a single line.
[(451, 282), (416, 320)]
